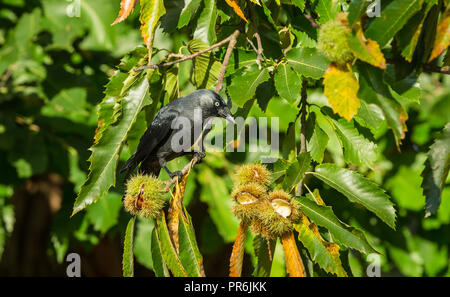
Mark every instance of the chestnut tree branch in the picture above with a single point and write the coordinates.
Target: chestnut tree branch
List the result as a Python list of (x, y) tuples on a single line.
[(192, 56)]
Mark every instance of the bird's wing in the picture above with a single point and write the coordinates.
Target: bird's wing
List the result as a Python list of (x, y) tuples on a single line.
[(157, 132)]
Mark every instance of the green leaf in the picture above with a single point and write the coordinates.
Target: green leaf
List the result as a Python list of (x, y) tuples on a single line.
[(357, 149), (373, 89), (143, 242), (244, 83), (105, 213), (105, 153), (436, 171), (358, 189), (300, 4), (263, 264), (307, 62), (206, 24), (408, 36), (190, 7), (159, 267), (294, 173), (327, 10), (206, 67), (316, 139), (342, 233), (356, 9), (240, 59), (168, 251), (370, 116), (190, 255), (217, 196), (393, 17), (171, 85), (128, 258), (287, 83), (328, 259), (151, 11)]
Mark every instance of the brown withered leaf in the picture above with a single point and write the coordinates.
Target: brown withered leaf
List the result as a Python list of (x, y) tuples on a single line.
[(294, 264), (126, 7), (237, 255)]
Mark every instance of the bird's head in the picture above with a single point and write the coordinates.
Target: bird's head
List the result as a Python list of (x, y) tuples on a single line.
[(214, 105)]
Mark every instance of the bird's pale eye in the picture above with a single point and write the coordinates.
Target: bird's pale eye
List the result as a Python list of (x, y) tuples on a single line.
[(217, 104)]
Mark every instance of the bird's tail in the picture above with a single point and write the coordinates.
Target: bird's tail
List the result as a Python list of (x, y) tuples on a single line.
[(130, 164), (150, 166)]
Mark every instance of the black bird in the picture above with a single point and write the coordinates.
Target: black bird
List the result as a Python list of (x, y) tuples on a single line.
[(155, 147)]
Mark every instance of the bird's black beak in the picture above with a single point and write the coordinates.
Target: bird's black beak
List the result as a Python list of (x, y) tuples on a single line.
[(226, 114)]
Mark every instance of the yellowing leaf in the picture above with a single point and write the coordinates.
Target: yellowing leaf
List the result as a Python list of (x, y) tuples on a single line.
[(237, 255), (126, 7), (366, 50), (151, 11), (341, 88), (294, 264), (256, 2), (442, 40), (237, 9)]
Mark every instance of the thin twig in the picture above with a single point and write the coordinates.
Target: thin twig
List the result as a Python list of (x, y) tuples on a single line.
[(189, 57), (303, 102), (259, 49), (312, 21), (428, 67), (437, 69), (226, 60)]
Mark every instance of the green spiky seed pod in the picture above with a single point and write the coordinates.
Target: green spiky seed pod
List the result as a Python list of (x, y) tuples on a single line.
[(256, 173), (144, 196), (248, 193), (247, 198), (280, 194), (257, 227), (275, 224), (285, 205), (332, 41)]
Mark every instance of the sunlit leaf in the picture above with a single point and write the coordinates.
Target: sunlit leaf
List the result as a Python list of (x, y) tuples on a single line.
[(442, 40), (341, 88), (235, 5), (245, 82), (126, 7), (206, 24), (358, 189), (366, 50), (307, 62), (288, 83), (151, 11), (393, 17), (342, 233), (206, 67), (105, 153)]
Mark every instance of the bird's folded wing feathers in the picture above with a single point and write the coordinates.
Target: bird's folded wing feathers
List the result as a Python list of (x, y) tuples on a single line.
[(159, 129)]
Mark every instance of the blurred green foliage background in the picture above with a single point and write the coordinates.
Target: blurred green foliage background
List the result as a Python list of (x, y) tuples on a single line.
[(53, 69)]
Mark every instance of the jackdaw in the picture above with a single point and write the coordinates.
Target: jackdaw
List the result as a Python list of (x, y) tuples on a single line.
[(175, 119)]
